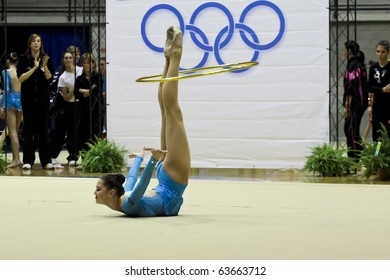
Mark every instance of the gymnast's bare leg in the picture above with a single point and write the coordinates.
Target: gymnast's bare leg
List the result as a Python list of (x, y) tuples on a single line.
[(177, 161)]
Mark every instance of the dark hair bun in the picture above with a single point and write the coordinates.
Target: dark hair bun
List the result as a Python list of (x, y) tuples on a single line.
[(120, 178), (13, 57)]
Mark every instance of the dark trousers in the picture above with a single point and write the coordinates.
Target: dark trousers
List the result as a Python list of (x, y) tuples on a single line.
[(35, 132), (380, 116), (352, 132), (57, 135), (66, 124)]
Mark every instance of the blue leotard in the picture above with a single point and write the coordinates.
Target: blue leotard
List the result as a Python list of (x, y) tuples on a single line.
[(12, 96), (168, 198)]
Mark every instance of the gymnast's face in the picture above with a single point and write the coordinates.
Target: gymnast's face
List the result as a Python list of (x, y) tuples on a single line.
[(101, 192)]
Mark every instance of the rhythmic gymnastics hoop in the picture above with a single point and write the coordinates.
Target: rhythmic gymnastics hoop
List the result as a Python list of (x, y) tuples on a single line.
[(222, 69)]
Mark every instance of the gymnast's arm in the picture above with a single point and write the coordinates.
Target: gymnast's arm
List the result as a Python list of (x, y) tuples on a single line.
[(143, 183), (133, 174)]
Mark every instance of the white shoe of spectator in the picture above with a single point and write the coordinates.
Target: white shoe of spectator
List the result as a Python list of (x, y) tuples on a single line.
[(26, 166), (49, 166), (72, 163), (58, 166), (54, 161)]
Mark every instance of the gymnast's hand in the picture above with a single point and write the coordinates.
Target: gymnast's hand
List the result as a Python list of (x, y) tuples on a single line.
[(140, 154)]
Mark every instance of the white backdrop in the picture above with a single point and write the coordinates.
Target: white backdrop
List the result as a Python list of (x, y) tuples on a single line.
[(266, 117)]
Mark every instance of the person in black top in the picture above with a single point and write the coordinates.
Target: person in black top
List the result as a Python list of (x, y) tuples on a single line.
[(35, 72), (59, 122), (355, 99), (379, 85), (88, 90)]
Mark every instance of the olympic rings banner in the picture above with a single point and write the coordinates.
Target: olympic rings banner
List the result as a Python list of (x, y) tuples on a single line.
[(267, 116)]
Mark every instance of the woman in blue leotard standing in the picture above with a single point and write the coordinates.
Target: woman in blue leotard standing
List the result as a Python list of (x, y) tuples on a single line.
[(11, 102), (172, 159)]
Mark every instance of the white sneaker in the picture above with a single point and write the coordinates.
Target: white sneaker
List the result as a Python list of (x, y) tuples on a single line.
[(26, 171), (72, 163), (49, 166), (54, 161), (58, 166), (26, 166)]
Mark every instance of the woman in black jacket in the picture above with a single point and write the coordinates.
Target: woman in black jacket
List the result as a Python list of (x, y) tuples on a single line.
[(88, 90), (35, 72), (355, 99)]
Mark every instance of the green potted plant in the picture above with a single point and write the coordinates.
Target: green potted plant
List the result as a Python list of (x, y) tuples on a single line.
[(103, 156), (375, 156), (328, 161)]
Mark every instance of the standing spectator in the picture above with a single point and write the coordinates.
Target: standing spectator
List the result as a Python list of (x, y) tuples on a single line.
[(12, 103), (88, 91), (35, 72), (355, 99), (59, 121), (66, 84), (379, 85)]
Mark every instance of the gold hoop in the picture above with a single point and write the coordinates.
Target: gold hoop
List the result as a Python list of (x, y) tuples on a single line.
[(225, 68)]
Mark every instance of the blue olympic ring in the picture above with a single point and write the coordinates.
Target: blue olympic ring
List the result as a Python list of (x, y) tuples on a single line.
[(192, 28), (227, 31), (244, 27), (149, 13)]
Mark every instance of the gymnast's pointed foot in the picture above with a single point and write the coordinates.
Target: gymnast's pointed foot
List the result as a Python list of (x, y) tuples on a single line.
[(158, 154), (174, 43)]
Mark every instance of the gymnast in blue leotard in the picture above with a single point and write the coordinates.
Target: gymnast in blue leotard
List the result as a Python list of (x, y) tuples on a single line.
[(173, 159), (11, 107)]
